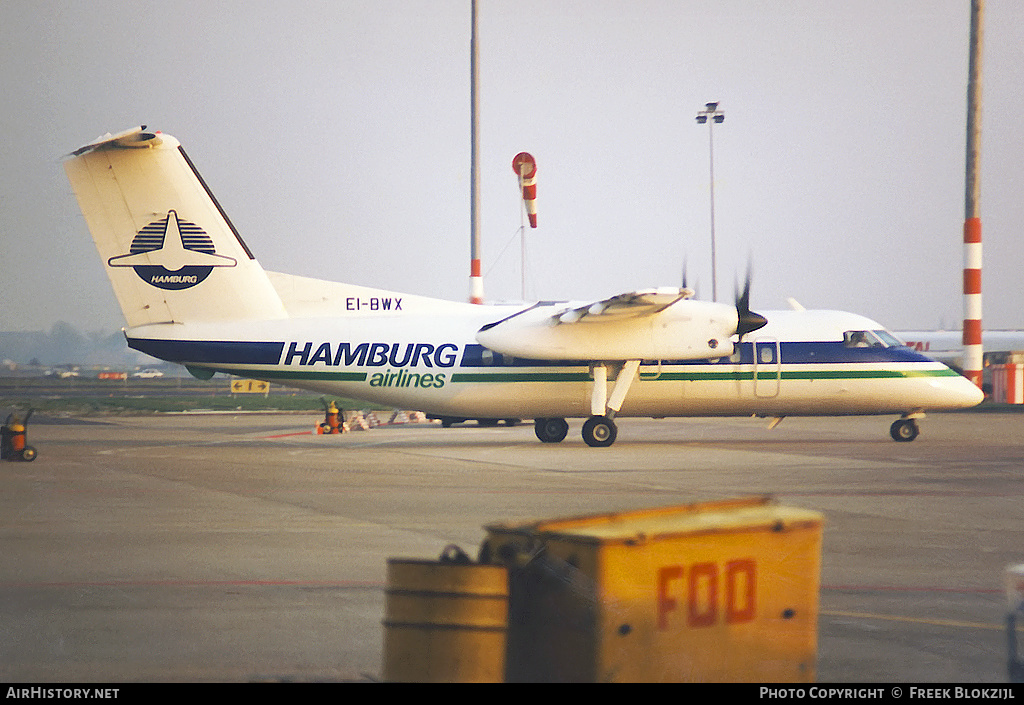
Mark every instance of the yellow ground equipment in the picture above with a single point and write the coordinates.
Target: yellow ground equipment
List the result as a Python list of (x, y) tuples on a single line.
[(710, 592), (12, 439), (445, 620), (332, 418)]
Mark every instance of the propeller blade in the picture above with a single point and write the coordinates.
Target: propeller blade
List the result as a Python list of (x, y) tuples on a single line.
[(746, 320)]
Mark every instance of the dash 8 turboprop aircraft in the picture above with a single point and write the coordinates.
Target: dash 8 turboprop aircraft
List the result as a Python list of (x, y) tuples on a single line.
[(193, 293)]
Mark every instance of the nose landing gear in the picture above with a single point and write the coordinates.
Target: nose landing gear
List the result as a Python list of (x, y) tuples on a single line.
[(904, 430)]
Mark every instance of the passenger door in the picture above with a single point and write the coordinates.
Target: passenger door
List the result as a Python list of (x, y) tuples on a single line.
[(767, 368)]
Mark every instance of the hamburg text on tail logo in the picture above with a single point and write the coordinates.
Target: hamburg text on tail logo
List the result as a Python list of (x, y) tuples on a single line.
[(172, 254)]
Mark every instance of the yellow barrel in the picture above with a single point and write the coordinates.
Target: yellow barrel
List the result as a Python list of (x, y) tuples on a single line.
[(445, 622)]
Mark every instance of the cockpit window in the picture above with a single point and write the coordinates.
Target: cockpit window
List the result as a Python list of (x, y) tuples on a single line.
[(856, 339), (890, 340), (870, 339)]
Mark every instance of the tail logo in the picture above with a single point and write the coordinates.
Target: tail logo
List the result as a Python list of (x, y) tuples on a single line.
[(172, 254)]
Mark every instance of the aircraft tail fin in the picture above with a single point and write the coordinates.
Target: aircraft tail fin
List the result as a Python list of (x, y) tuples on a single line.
[(169, 250)]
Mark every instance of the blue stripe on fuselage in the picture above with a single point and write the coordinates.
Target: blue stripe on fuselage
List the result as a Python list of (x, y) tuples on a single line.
[(223, 352), (803, 353), (475, 355)]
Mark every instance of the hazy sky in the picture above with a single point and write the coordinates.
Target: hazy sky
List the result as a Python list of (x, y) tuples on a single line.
[(336, 136)]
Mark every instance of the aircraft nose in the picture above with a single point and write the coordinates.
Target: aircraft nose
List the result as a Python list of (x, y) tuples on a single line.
[(960, 393)]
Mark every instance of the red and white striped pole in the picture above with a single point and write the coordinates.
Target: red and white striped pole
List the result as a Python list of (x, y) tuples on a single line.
[(974, 354), (476, 279)]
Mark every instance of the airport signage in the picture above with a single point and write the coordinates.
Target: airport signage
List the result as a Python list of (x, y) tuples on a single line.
[(250, 386)]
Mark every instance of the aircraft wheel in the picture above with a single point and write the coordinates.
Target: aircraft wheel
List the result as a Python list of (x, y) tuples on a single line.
[(487, 423), (904, 430), (599, 431), (28, 454), (551, 430)]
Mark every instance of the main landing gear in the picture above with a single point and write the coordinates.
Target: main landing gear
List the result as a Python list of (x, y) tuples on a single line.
[(598, 431), (551, 430)]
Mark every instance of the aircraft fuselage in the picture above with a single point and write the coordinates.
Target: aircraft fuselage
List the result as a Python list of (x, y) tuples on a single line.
[(435, 365)]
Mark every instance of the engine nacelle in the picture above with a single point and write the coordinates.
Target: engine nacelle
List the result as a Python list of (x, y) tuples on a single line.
[(686, 330)]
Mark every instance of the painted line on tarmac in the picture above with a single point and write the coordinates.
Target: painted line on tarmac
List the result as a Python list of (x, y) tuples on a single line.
[(286, 435), (198, 583), (911, 588), (918, 620)]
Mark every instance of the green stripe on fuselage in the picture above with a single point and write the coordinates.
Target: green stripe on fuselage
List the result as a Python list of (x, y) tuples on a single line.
[(701, 376), (521, 377), (303, 375), (665, 376)]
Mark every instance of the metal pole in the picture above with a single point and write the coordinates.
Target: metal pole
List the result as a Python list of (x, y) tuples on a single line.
[(522, 235), (476, 281), (974, 355), (711, 114), (714, 266)]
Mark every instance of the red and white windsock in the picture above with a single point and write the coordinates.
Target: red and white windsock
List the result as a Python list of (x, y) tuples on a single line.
[(525, 168)]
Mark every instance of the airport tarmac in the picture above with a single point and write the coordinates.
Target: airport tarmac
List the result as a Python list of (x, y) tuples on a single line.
[(244, 548)]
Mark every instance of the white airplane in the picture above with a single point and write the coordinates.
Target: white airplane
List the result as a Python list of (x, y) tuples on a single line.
[(948, 345), (192, 293)]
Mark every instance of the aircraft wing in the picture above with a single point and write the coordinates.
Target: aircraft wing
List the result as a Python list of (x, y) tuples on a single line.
[(624, 327)]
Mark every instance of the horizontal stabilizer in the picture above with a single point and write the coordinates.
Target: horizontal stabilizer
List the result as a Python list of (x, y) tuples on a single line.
[(135, 137)]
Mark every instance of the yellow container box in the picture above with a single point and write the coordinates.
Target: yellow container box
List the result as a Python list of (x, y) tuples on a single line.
[(710, 592)]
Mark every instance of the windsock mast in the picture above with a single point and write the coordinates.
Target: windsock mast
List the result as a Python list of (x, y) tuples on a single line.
[(476, 280), (974, 354)]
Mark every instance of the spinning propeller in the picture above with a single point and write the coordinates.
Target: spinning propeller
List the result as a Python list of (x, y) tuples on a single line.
[(746, 320)]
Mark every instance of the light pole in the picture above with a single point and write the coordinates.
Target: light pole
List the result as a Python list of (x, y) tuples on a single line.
[(711, 111)]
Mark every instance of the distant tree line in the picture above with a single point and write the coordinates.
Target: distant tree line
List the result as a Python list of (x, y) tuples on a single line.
[(64, 344)]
